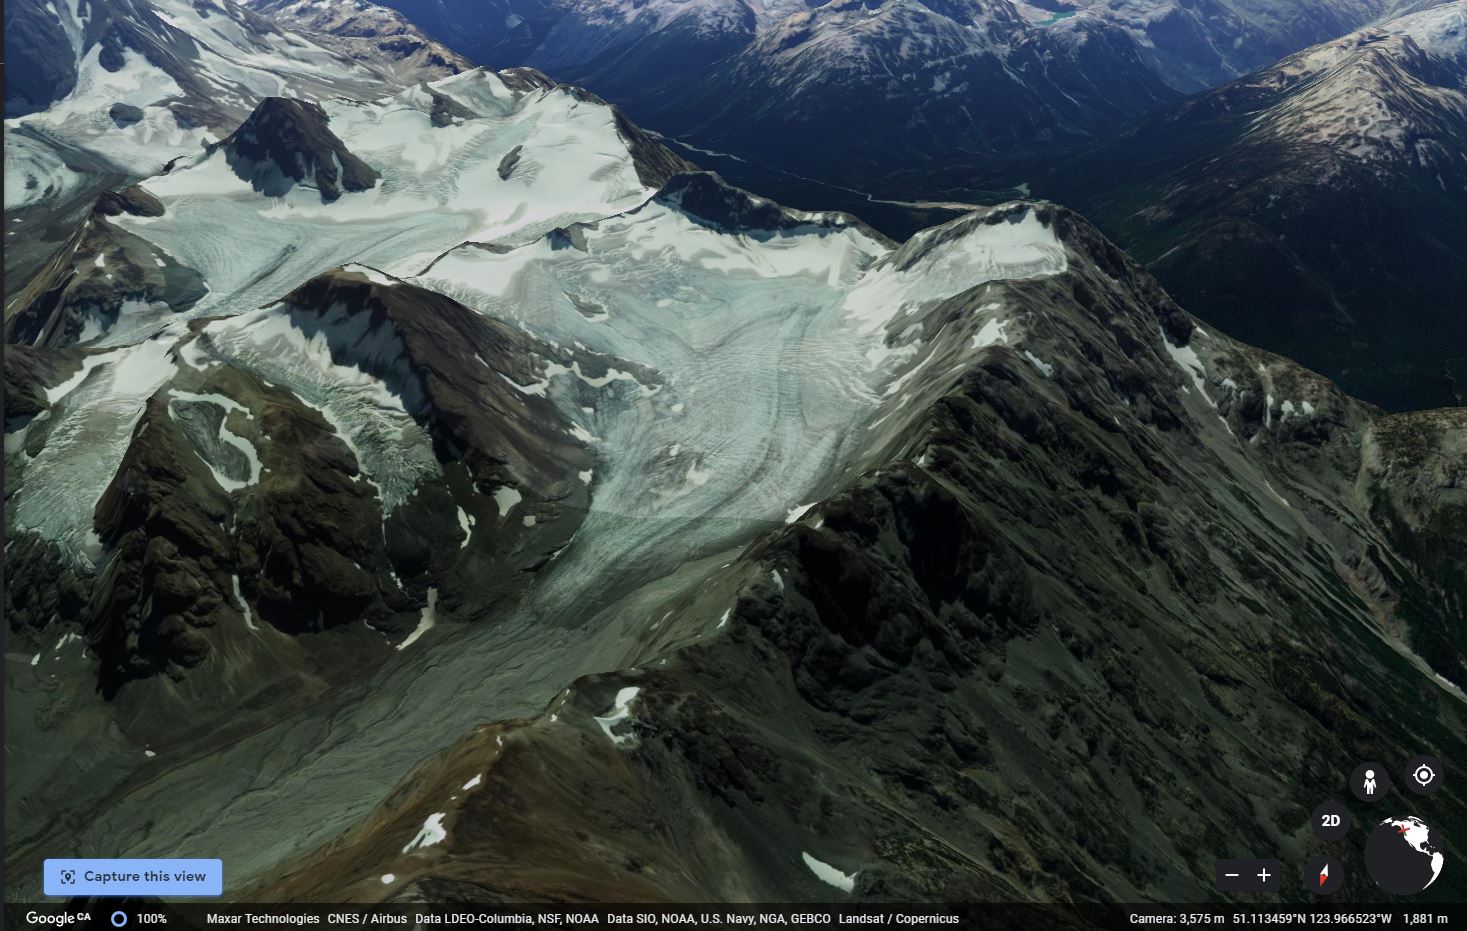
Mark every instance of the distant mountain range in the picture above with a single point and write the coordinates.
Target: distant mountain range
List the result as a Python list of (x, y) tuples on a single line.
[(844, 88), (1314, 207), (377, 36)]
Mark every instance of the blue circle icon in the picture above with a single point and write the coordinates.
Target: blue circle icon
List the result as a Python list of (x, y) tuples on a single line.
[(119, 919)]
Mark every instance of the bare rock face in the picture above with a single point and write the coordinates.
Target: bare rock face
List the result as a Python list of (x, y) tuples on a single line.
[(240, 516), (101, 275), (286, 142), (167, 582)]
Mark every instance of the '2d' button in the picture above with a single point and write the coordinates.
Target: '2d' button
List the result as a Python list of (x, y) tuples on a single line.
[(1331, 821)]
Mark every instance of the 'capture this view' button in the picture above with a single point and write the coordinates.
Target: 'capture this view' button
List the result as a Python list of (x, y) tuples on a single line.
[(157, 877)]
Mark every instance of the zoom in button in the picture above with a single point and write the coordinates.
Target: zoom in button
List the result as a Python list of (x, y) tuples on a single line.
[(1249, 875)]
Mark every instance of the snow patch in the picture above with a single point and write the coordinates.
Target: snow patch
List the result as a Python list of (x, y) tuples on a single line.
[(505, 499), (846, 882), (426, 620), (1188, 361), (466, 524), (244, 607), (432, 832), (798, 511), (620, 711), (991, 333)]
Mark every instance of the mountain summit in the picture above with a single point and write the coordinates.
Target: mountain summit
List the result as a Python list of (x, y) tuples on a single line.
[(285, 142)]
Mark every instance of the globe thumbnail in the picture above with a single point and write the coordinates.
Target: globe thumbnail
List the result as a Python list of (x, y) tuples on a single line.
[(1402, 856)]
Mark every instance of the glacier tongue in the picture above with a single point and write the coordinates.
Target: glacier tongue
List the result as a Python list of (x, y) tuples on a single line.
[(92, 418), (763, 339)]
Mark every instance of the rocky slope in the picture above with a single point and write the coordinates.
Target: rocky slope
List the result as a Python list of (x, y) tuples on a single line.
[(289, 142), (1083, 555), (1313, 208), (101, 277)]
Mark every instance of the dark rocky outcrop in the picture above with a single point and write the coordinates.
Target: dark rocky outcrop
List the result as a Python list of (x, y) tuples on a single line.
[(124, 115), (133, 200), (167, 580), (286, 142), (99, 270), (301, 538), (708, 199), (455, 371), (211, 554)]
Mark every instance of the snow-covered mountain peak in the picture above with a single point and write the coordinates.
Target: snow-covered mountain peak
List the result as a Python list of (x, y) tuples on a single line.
[(1386, 92), (301, 187), (1440, 31)]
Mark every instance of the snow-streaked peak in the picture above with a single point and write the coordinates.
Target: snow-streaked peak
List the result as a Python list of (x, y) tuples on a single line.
[(1441, 31), (155, 79), (1373, 95)]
